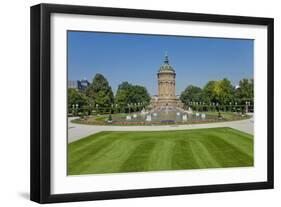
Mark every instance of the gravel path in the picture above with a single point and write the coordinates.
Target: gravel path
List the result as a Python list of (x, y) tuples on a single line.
[(78, 131)]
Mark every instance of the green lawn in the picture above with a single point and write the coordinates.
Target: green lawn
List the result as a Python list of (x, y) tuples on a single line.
[(112, 152)]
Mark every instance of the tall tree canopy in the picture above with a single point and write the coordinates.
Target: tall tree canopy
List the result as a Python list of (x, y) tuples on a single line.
[(99, 92), (131, 94), (245, 91), (208, 91), (76, 97), (220, 91), (190, 94)]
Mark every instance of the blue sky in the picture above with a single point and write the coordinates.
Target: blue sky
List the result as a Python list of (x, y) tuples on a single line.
[(137, 58)]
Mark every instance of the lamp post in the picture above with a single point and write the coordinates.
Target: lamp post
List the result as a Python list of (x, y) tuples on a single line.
[(77, 106), (90, 109), (246, 107), (97, 107), (73, 109), (129, 108)]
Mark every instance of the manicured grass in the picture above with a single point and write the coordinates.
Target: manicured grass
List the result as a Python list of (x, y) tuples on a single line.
[(114, 152)]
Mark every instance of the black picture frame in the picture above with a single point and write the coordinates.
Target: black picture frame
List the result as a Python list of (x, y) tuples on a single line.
[(41, 96)]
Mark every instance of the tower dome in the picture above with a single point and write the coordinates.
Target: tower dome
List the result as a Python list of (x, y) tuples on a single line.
[(166, 67)]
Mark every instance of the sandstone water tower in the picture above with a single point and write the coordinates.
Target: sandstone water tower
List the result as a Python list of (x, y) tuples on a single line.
[(166, 86)]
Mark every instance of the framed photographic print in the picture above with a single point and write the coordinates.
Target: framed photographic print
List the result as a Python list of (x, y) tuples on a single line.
[(133, 103)]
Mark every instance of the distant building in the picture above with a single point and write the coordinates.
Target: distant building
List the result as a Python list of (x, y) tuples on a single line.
[(80, 85)]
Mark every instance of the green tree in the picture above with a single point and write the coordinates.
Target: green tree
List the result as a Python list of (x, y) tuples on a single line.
[(220, 91), (75, 97), (131, 94), (122, 94), (139, 94), (225, 91), (191, 94), (208, 93), (99, 92), (245, 91)]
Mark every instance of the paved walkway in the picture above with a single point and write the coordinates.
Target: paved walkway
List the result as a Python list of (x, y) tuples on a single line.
[(78, 131)]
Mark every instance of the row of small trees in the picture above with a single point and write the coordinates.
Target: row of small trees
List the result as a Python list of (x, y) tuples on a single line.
[(219, 93), (99, 97)]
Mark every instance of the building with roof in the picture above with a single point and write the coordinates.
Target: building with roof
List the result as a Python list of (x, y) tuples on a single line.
[(80, 85)]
